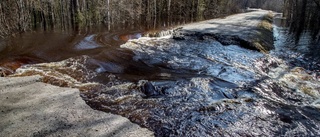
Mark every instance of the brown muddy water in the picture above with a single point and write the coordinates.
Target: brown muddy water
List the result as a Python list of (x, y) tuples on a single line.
[(190, 87), (101, 44)]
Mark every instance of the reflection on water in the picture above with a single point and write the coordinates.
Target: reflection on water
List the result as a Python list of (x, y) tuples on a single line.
[(190, 87), (39, 47)]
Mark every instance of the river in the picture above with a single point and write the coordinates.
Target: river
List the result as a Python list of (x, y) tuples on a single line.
[(175, 88)]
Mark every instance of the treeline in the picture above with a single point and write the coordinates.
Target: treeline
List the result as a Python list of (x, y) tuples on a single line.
[(303, 15), (23, 15)]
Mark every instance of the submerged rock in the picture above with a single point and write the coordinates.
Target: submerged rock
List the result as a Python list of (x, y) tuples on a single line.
[(149, 89)]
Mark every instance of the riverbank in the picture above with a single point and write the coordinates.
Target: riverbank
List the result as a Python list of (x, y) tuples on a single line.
[(29, 107)]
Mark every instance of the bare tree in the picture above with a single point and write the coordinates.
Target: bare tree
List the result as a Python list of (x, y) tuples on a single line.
[(23, 15)]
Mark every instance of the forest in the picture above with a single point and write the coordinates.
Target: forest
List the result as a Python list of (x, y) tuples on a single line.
[(303, 15), (20, 15), (74, 15)]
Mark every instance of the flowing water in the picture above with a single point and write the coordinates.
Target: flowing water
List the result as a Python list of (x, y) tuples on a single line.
[(190, 87)]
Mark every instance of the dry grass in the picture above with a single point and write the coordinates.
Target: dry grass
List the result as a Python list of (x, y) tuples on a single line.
[(266, 23), (261, 48), (264, 41)]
